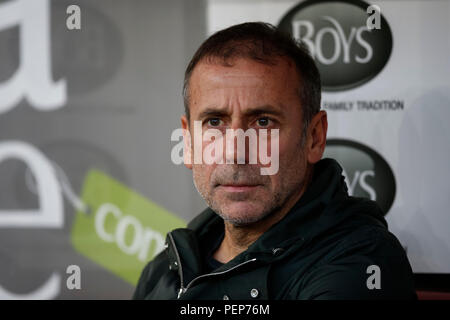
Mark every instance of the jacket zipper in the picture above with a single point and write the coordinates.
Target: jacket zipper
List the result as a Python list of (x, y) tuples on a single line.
[(218, 273), (180, 269)]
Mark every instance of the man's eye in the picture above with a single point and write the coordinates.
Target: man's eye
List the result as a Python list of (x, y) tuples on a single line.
[(214, 122), (263, 122)]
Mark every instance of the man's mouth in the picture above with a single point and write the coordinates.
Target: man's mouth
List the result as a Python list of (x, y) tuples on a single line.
[(238, 187)]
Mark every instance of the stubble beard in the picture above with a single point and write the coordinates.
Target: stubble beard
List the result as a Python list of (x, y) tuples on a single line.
[(277, 201)]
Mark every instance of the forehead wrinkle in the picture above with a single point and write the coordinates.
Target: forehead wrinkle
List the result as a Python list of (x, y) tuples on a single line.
[(234, 92), (213, 80), (233, 81)]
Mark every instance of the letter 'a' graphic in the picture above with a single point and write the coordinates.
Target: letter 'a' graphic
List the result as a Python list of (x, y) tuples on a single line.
[(33, 78)]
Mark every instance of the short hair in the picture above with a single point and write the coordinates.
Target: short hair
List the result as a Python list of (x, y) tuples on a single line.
[(264, 43)]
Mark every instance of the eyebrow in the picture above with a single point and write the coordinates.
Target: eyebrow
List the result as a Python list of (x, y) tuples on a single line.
[(220, 112), (213, 112), (265, 109)]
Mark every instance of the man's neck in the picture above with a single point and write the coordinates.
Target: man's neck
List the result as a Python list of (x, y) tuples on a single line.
[(238, 238)]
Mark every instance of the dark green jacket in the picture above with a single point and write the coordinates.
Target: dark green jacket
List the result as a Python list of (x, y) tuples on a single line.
[(322, 249)]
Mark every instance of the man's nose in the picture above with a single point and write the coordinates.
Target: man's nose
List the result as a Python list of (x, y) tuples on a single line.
[(237, 147)]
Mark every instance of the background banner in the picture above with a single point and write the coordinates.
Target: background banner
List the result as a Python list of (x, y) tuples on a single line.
[(386, 92), (86, 117), (90, 94)]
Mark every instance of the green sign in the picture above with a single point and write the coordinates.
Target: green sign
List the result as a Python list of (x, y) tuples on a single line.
[(122, 230)]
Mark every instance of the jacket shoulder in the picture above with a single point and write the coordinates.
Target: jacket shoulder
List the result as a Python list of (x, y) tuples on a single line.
[(156, 279), (153, 271), (367, 263)]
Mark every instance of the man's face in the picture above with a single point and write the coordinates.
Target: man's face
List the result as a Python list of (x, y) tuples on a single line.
[(248, 95)]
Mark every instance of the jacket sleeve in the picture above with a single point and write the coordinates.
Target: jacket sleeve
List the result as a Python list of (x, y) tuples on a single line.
[(140, 291), (374, 267)]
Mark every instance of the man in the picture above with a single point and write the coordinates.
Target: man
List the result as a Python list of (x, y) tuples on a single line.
[(295, 234)]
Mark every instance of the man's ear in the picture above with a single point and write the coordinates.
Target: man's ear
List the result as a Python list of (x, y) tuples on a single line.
[(317, 137), (187, 152)]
